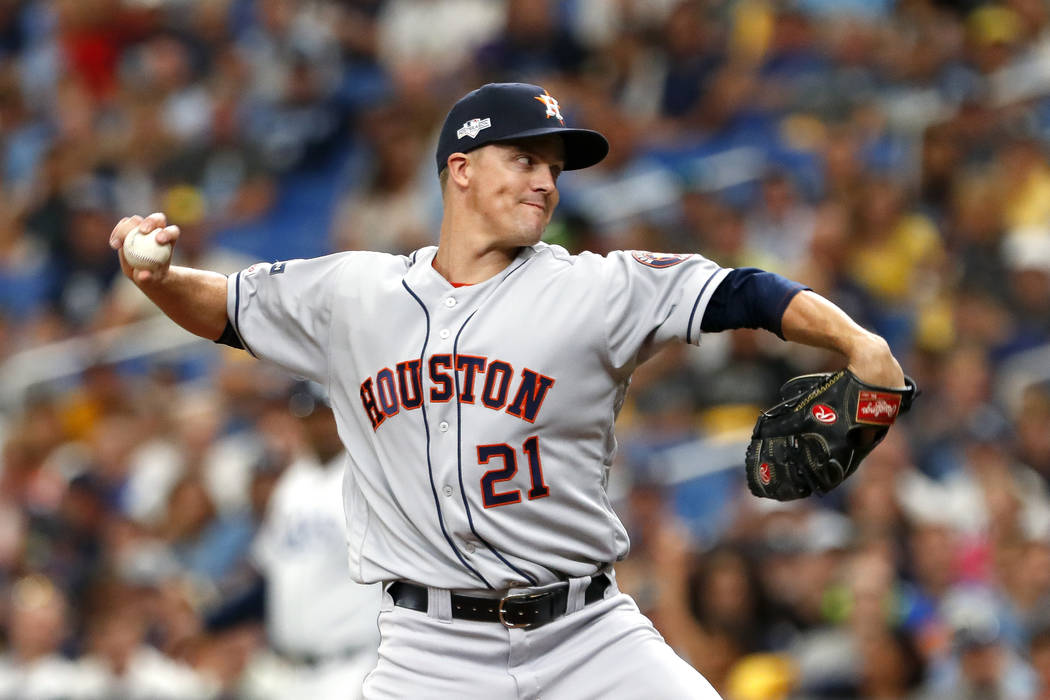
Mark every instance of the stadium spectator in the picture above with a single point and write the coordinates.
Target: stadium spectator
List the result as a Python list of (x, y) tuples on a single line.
[(892, 156)]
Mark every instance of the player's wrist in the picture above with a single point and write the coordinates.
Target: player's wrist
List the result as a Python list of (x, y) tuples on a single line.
[(149, 281), (869, 357)]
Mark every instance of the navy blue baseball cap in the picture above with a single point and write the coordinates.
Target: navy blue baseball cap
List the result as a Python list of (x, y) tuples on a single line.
[(507, 111)]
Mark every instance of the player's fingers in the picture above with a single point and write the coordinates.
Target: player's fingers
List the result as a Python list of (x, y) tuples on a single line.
[(168, 234), (121, 230), (154, 221)]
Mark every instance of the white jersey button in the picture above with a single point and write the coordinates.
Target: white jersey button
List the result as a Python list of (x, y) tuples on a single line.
[(447, 490), (443, 426), (450, 302), (469, 546), (444, 333)]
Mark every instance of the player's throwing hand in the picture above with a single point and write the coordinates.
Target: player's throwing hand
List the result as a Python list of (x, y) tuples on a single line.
[(165, 236)]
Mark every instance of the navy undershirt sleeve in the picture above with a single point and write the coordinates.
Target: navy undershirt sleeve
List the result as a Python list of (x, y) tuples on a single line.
[(750, 298), (229, 337)]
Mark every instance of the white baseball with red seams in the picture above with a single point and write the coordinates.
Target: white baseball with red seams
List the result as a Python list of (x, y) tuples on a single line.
[(143, 252)]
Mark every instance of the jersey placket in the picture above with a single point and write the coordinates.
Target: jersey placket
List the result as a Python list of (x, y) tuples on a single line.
[(436, 424), (525, 577), (445, 436), (449, 450), (454, 455)]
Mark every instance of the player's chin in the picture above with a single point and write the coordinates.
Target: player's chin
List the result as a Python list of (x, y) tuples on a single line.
[(529, 231), (531, 234)]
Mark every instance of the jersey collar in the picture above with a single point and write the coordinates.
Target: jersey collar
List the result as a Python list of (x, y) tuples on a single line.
[(423, 277)]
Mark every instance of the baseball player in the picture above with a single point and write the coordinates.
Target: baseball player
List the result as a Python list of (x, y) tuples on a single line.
[(475, 385)]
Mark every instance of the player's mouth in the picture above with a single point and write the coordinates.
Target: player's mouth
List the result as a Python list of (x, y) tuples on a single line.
[(538, 205)]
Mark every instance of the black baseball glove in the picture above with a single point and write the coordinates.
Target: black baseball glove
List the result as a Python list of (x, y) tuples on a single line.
[(816, 436)]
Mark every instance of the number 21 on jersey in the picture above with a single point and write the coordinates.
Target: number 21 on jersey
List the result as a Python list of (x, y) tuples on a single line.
[(488, 453)]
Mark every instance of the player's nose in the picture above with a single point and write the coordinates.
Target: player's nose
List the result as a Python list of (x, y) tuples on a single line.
[(543, 180)]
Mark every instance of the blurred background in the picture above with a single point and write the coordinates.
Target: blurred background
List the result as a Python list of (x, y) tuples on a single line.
[(891, 154)]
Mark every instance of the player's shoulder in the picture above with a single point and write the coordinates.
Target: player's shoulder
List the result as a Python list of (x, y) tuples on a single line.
[(376, 259), (557, 254), (551, 253), (640, 258), (363, 259), (551, 261), (554, 262), (382, 264), (644, 259)]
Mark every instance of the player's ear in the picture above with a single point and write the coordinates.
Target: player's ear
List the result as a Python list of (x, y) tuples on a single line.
[(459, 167)]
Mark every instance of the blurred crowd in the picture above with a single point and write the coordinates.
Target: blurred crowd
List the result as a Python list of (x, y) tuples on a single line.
[(891, 154)]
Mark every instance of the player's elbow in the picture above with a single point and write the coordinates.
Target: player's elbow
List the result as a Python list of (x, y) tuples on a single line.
[(750, 298)]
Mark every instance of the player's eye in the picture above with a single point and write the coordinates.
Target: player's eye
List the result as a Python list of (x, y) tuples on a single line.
[(525, 159)]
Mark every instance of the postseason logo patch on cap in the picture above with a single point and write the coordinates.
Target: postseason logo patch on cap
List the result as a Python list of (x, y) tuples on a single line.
[(472, 127)]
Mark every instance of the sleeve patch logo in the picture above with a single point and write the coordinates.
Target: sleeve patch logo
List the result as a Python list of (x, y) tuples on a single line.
[(658, 260), (877, 408), (277, 268), (824, 413)]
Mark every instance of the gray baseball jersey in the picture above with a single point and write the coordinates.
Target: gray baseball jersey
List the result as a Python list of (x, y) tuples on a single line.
[(479, 419)]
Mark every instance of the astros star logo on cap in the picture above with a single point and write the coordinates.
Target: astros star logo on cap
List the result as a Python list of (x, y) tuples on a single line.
[(552, 106)]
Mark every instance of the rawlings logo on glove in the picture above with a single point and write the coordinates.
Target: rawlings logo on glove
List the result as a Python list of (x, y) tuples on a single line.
[(877, 407), (824, 425)]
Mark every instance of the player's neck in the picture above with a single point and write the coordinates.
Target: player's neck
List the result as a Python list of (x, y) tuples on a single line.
[(462, 261), (463, 269)]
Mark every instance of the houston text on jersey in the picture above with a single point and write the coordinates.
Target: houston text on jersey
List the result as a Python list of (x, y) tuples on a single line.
[(402, 387)]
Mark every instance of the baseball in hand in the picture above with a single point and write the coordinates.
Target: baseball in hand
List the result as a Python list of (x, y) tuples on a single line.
[(142, 251)]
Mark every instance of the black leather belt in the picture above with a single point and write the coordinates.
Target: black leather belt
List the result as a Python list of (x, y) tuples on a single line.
[(526, 611)]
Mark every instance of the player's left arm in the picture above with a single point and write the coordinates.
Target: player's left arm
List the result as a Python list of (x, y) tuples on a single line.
[(813, 320), (753, 298), (827, 423)]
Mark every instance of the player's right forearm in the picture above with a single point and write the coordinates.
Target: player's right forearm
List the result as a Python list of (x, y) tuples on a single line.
[(194, 299)]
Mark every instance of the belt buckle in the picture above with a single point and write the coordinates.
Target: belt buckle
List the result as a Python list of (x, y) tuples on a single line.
[(524, 597)]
